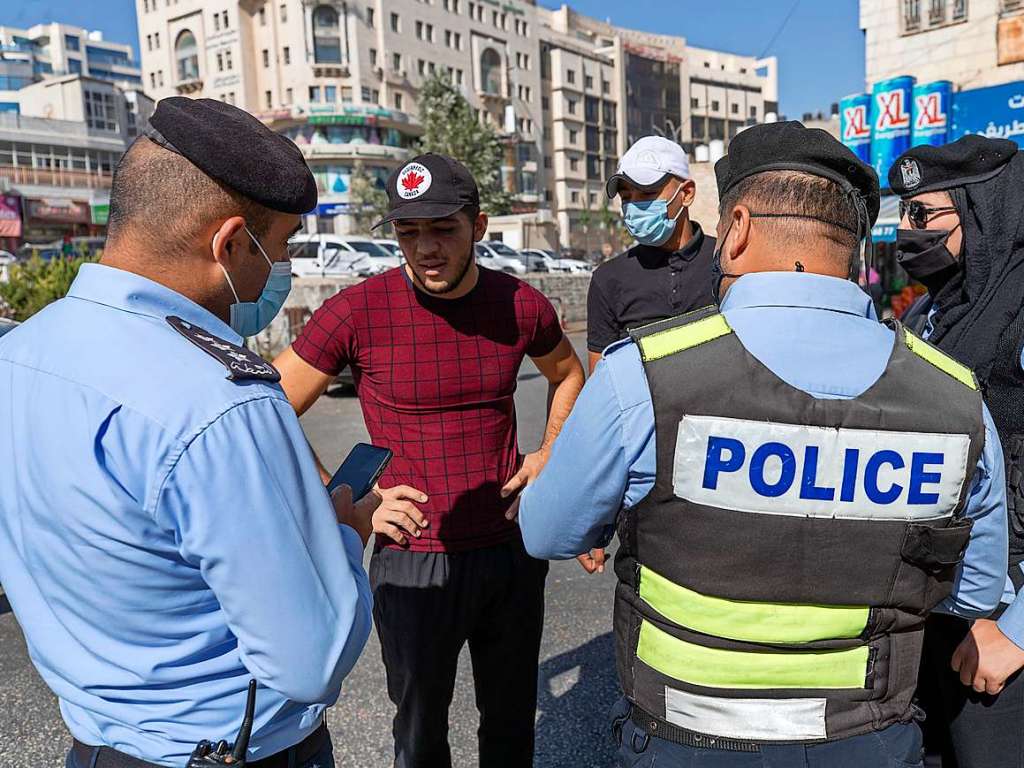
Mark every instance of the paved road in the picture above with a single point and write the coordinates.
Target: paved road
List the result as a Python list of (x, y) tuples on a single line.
[(577, 674)]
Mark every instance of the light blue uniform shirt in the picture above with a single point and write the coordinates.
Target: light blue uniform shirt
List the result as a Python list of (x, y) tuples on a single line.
[(164, 532), (819, 334)]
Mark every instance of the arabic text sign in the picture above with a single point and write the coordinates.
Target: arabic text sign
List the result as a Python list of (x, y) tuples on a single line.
[(996, 112)]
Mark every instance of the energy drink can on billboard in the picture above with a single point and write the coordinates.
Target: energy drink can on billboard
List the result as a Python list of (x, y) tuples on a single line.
[(855, 124), (891, 104), (932, 113)]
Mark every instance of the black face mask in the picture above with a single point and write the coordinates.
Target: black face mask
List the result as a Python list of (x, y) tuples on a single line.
[(925, 257)]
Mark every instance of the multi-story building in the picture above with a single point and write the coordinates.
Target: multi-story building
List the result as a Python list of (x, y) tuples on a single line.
[(342, 79), (604, 87), (972, 43), (58, 154), (30, 55)]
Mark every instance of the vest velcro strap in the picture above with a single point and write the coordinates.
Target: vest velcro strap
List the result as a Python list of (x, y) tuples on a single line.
[(940, 360), (752, 622), (668, 342), (744, 670)]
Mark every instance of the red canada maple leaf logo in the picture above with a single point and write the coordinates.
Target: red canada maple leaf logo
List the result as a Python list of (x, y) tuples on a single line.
[(412, 180)]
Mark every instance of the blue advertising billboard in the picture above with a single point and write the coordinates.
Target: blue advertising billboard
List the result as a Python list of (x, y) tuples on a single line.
[(855, 124), (996, 112), (891, 103), (931, 113)]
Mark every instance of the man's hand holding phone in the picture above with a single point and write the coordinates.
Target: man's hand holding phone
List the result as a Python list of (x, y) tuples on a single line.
[(356, 515), (397, 516)]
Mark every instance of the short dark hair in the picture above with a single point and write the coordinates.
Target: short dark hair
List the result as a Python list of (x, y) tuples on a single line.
[(472, 211), (159, 194), (833, 212)]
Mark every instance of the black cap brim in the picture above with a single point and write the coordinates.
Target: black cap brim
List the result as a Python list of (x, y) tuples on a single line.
[(421, 210), (611, 187)]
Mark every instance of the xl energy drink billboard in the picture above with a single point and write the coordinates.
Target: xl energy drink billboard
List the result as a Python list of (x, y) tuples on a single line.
[(891, 102), (855, 124), (932, 113)]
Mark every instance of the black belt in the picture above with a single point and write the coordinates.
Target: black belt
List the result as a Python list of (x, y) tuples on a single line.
[(300, 753), (656, 727)]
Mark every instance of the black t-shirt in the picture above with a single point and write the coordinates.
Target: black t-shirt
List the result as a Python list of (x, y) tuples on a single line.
[(645, 284)]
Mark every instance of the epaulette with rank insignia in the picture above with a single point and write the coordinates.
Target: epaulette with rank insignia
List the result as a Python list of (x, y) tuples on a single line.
[(240, 362)]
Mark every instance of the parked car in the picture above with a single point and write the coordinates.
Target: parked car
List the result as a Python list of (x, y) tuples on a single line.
[(537, 260), (391, 246), (502, 258), (556, 264), (319, 255)]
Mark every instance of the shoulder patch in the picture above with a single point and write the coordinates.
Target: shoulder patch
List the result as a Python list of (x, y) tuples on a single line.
[(241, 363), (940, 359)]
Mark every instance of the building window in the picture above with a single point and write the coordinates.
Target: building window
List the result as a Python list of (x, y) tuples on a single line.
[(570, 76), (394, 23), (421, 67), (396, 62), (588, 81), (284, 13), (186, 56), (397, 101), (694, 103), (714, 106), (371, 17), (373, 57), (735, 109), (263, 17), (575, 197), (149, 42), (160, 78), (266, 58), (753, 111), (287, 54), (100, 111), (152, 79), (573, 135), (545, 103), (490, 71), (936, 12), (326, 35), (330, 93), (270, 99), (224, 19), (231, 97), (72, 43), (156, 40), (365, 93), (375, 95), (227, 60), (346, 94), (574, 163), (959, 10), (571, 106), (911, 15), (314, 94), (220, 62), (459, 77), (216, 22), (289, 96), (547, 161)]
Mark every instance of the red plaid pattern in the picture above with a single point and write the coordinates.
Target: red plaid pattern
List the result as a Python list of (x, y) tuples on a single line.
[(436, 379)]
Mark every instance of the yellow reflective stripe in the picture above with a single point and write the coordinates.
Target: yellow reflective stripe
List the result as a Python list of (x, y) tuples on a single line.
[(941, 360), (718, 668), (665, 343), (749, 621)]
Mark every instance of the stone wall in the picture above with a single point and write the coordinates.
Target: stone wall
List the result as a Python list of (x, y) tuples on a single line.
[(568, 293)]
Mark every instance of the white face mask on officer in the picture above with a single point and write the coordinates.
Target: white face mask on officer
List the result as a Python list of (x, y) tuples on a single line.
[(250, 317)]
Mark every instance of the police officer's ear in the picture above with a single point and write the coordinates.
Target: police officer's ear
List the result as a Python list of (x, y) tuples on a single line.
[(480, 227), (230, 243), (736, 235)]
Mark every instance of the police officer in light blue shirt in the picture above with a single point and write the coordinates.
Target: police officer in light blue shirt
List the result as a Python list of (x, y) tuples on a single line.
[(793, 203), (164, 533)]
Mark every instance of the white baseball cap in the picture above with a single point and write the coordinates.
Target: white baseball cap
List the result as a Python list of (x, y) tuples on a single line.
[(646, 164)]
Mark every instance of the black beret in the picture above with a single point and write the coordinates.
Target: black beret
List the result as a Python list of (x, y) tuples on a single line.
[(967, 160), (233, 147), (790, 146)]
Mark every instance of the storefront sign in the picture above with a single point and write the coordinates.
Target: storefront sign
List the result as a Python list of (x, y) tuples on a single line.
[(100, 213), (59, 211), (341, 120), (996, 112), (327, 210), (10, 216)]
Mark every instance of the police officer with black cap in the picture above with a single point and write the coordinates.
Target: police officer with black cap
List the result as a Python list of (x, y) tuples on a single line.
[(961, 236), (801, 505), (164, 533)]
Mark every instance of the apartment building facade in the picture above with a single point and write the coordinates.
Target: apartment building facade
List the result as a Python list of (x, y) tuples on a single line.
[(972, 43), (30, 55)]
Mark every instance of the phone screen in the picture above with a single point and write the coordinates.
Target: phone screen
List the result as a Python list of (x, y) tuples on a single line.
[(361, 469)]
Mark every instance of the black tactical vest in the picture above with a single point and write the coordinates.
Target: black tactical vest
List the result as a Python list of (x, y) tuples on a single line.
[(774, 583)]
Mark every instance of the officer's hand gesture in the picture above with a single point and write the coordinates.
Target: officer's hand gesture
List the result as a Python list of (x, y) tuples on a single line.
[(355, 515), (986, 657), (592, 561)]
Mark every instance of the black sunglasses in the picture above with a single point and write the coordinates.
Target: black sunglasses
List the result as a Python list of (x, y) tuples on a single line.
[(919, 213)]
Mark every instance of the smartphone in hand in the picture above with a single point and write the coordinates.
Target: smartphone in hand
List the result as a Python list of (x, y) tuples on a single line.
[(361, 469)]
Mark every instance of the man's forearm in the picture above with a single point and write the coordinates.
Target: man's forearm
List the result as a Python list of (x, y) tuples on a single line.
[(561, 398)]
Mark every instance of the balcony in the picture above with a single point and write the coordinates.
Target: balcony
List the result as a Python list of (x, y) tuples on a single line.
[(189, 86), (331, 70), (54, 177)]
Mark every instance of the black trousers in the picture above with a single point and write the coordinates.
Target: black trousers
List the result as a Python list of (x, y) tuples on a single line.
[(968, 729), (427, 606)]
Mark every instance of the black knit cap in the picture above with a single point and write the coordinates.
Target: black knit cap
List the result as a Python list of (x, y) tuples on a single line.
[(790, 146), (968, 160), (430, 186), (231, 146)]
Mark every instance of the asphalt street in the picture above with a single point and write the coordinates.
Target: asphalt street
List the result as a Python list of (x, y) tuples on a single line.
[(577, 674)]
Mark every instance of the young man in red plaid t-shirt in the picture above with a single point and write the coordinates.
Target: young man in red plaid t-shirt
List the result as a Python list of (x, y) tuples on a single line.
[(435, 348)]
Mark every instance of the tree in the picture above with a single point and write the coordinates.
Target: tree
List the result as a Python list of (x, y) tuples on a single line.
[(369, 202), (451, 128), (37, 282)]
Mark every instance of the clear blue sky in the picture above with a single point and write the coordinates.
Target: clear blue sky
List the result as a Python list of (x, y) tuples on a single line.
[(820, 48)]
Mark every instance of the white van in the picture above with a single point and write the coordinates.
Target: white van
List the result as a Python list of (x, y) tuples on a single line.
[(322, 255)]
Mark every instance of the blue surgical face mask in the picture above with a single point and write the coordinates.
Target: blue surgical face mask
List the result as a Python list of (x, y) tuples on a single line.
[(648, 220), (250, 317)]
